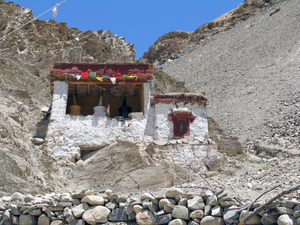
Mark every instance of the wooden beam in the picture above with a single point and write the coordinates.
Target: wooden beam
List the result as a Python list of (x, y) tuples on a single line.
[(123, 91), (88, 89), (78, 90), (102, 83), (107, 93), (132, 90)]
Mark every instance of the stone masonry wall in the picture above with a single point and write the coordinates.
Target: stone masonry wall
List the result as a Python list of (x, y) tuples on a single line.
[(172, 206)]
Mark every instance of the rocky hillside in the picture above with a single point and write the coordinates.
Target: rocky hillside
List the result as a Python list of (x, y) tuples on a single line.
[(25, 59), (247, 62), (172, 45), (249, 70)]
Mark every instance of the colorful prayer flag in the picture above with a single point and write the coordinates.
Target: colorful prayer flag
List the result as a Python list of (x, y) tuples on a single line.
[(85, 74), (105, 76), (113, 80), (132, 76), (99, 78), (78, 77), (119, 76), (125, 75), (92, 74), (72, 75)]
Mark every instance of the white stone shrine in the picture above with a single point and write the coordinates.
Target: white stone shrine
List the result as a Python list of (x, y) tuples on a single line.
[(89, 112)]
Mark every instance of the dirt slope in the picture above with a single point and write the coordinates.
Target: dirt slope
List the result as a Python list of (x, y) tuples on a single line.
[(247, 72)]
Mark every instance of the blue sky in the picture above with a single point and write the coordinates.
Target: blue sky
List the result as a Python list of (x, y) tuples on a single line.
[(141, 22)]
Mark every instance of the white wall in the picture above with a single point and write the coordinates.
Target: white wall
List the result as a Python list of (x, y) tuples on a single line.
[(67, 132), (164, 127)]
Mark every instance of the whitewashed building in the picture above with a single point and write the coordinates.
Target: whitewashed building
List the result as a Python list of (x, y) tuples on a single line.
[(89, 111)]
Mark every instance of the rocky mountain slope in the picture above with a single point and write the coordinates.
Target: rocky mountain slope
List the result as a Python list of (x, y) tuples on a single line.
[(171, 45), (250, 73), (247, 62), (26, 55)]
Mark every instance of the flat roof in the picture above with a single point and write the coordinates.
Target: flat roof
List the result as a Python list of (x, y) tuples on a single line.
[(180, 97), (112, 69)]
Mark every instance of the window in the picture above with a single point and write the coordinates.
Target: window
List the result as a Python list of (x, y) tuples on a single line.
[(181, 119)]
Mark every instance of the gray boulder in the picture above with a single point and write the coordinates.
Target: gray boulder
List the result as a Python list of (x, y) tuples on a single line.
[(180, 212), (43, 220), (26, 219), (195, 203), (145, 217), (118, 215), (17, 197), (93, 200), (172, 192), (77, 222), (286, 219), (268, 219), (210, 220), (163, 219), (177, 222), (197, 214), (79, 210)]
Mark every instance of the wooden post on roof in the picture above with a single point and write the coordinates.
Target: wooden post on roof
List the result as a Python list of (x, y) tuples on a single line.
[(107, 93)]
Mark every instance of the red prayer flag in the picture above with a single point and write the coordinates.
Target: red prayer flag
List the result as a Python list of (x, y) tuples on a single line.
[(85, 74), (119, 76)]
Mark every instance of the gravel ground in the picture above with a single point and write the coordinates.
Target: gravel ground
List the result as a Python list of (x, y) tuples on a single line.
[(247, 71)]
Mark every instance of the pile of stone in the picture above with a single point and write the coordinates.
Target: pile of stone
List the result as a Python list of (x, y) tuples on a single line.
[(173, 207)]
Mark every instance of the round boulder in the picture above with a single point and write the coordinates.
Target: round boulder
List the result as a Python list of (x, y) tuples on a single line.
[(210, 220), (145, 217), (96, 214), (93, 200), (172, 192), (180, 212), (286, 219)]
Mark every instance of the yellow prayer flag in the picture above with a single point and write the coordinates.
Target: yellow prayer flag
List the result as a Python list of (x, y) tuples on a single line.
[(100, 78), (132, 76)]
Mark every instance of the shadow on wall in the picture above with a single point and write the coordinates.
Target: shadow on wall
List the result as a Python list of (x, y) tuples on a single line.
[(42, 126)]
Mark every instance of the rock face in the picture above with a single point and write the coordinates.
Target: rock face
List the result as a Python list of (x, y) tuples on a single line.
[(25, 57), (123, 167)]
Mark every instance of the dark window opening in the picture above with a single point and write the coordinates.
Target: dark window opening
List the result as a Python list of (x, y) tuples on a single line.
[(83, 98), (181, 123)]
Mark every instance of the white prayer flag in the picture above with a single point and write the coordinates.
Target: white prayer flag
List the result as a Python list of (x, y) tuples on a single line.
[(113, 80)]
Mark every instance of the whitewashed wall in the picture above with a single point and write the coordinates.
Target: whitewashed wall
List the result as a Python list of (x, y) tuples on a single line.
[(67, 132), (164, 127)]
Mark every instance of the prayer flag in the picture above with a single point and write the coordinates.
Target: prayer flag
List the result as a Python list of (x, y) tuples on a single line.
[(125, 75), (78, 77), (92, 74), (113, 80), (105, 76), (54, 11), (131, 76), (72, 75), (119, 76), (85, 74), (99, 78)]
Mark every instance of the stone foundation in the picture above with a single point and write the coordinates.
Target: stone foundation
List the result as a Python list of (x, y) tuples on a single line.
[(172, 206)]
